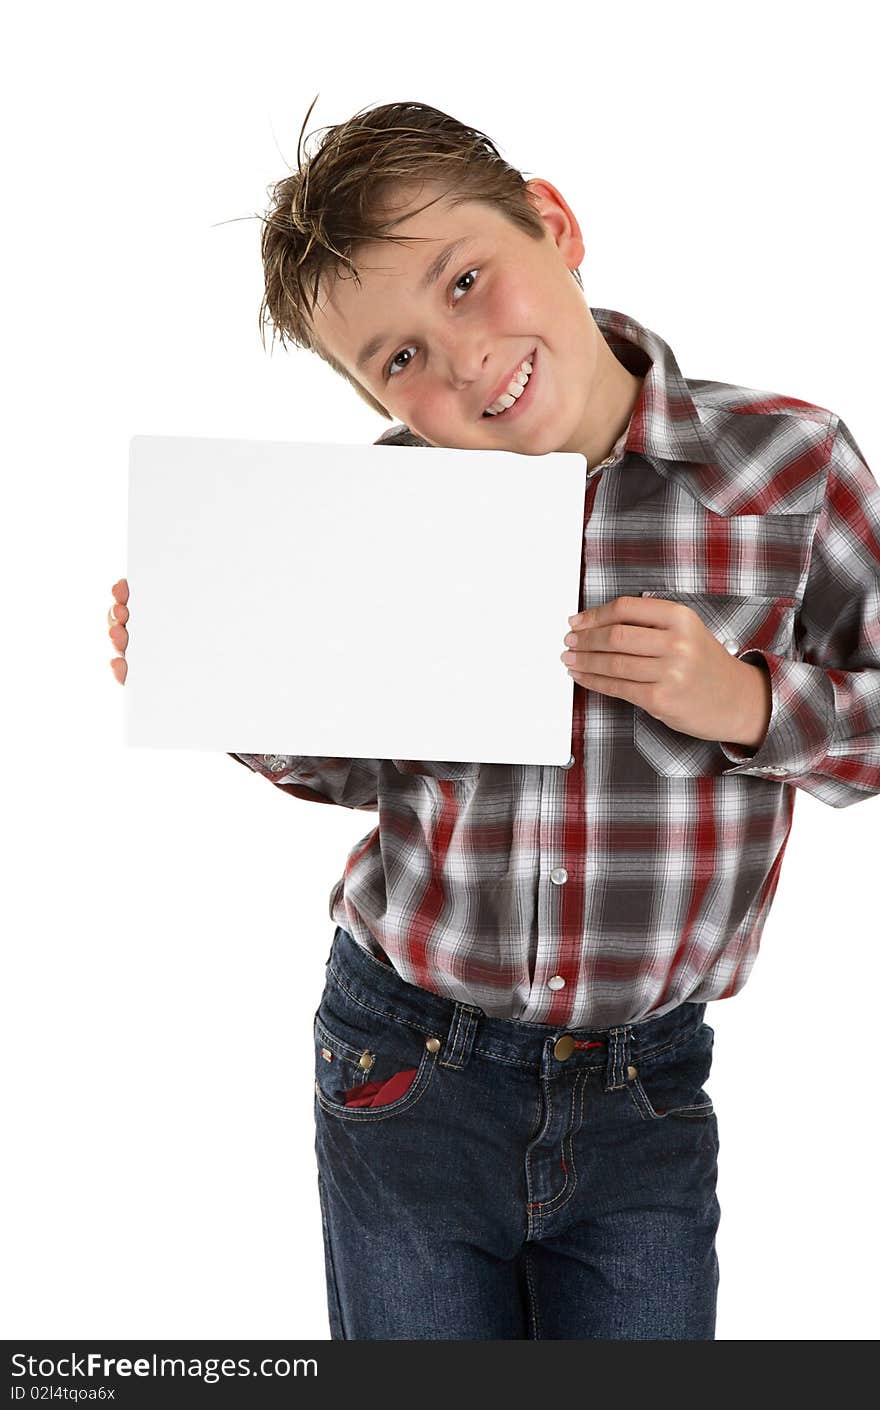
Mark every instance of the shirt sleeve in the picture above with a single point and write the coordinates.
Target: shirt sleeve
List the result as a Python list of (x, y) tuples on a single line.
[(823, 734), (350, 783)]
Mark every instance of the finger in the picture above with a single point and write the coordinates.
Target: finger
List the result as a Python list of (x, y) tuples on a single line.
[(608, 685), (640, 641), (120, 590), (612, 664), (117, 614), (119, 637), (119, 667)]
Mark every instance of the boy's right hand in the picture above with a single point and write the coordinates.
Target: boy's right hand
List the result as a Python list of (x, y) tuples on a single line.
[(118, 635)]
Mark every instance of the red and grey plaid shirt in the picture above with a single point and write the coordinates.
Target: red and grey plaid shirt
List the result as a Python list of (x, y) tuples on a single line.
[(641, 875)]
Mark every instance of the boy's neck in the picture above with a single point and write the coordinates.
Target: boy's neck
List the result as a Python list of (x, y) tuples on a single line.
[(619, 391)]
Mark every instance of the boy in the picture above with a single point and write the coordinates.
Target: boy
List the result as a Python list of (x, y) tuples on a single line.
[(513, 1136)]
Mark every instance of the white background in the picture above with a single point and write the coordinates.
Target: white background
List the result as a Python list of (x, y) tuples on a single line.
[(165, 914)]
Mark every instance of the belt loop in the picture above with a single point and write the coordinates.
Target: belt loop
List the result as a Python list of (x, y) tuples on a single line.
[(459, 1043), (618, 1057)]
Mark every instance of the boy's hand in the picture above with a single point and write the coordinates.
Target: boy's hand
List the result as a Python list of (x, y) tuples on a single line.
[(661, 656), (118, 635)]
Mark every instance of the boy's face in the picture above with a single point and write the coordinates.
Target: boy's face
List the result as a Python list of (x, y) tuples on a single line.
[(446, 348)]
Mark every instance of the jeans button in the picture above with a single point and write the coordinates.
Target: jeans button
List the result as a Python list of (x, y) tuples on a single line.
[(563, 1047)]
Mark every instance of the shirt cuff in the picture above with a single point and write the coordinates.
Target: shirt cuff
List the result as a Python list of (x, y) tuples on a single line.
[(799, 732)]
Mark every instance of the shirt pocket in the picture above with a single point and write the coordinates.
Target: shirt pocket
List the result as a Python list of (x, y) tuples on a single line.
[(741, 623)]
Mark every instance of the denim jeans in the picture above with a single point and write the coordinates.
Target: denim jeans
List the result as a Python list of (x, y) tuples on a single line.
[(513, 1180)]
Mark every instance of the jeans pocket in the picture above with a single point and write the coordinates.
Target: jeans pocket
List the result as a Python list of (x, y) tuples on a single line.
[(368, 1068), (671, 1082)]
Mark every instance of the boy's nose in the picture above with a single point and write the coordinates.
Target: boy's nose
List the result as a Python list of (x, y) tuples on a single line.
[(467, 362)]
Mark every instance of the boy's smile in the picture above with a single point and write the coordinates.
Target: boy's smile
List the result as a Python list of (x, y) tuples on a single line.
[(436, 334)]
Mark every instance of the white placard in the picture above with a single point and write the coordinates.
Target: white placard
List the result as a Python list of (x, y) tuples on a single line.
[(351, 601)]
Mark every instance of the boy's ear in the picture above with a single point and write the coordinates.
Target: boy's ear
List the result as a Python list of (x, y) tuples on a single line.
[(537, 193), (559, 219)]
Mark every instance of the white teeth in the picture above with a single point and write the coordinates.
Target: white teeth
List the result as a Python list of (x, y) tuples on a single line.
[(515, 389)]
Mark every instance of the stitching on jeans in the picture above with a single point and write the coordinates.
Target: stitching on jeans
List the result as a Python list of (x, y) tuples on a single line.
[(557, 1202), (534, 1132), (614, 1061), (537, 1204), (338, 1045), (554, 1200), (459, 1014), (535, 1128), (570, 1176), (492, 1056), (692, 1110), (533, 1300)]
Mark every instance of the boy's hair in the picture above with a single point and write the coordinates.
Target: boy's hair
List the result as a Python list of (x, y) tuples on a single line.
[(326, 207)]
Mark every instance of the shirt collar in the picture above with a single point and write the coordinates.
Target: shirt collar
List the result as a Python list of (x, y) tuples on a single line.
[(665, 423)]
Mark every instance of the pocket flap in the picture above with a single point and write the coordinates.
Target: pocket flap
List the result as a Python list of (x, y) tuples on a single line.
[(741, 622)]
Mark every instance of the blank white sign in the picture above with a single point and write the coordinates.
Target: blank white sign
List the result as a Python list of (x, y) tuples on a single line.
[(351, 601)]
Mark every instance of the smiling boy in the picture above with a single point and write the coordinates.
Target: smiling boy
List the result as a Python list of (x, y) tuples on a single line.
[(483, 296), (513, 1135)]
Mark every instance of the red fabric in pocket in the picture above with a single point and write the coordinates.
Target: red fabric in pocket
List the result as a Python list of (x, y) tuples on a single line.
[(381, 1093)]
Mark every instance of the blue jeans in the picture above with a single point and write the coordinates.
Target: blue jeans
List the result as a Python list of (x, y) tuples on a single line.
[(515, 1180)]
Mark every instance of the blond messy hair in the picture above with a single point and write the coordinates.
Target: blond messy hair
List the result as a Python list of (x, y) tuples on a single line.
[(330, 204)]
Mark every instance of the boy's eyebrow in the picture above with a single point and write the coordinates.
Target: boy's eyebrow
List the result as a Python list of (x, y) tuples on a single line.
[(430, 276)]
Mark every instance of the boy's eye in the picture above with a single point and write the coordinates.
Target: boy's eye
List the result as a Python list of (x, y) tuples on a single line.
[(393, 370)]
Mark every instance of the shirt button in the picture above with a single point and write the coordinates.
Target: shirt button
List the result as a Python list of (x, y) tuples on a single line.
[(558, 875), (275, 762), (570, 763), (557, 982), (732, 647)]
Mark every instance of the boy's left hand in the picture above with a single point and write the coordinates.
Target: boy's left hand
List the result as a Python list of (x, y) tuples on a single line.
[(661, 656)]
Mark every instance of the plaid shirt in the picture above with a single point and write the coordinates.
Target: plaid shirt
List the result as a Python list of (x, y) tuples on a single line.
[(641, 874)]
